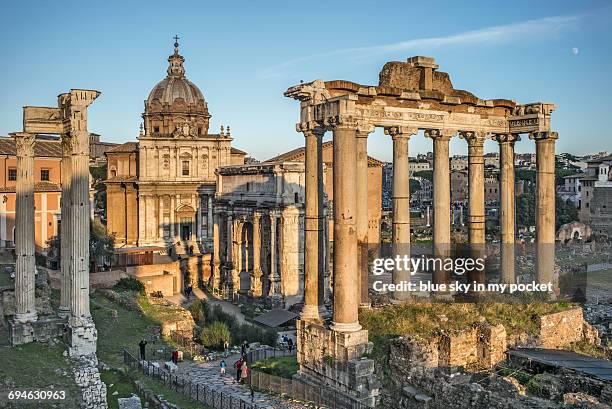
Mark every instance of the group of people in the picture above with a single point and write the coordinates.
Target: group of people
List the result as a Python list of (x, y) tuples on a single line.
[(287, 341), (241, 366)]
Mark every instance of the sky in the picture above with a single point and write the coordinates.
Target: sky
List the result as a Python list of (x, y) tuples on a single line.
[(244, 55)]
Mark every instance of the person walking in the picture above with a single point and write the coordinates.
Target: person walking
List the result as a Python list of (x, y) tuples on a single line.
[(238, 366), (222, 366), (290, 344), (141, 345), (244, 372), (225, 347)]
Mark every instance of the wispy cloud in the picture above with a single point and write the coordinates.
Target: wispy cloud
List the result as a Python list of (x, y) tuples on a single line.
[(527, 30)]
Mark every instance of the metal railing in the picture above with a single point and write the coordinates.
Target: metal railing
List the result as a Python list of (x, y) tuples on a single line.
[(294, 388), (195, 391)]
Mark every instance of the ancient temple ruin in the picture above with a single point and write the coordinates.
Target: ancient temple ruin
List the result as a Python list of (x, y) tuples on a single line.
[(410, 96), (69, 120)]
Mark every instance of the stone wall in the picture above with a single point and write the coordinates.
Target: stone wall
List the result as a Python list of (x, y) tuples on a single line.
[(196, 268), (560, 329), (87, 377), (164, 277)]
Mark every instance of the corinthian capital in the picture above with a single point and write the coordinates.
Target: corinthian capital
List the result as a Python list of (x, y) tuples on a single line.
[(473, 137), (440, 134), (310, 127), (506, 137), (341, 122), (538, 136), (401, 131), (24, 143)]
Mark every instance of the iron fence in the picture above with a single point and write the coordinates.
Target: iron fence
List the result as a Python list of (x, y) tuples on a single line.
[(195, 391), (299, 390)]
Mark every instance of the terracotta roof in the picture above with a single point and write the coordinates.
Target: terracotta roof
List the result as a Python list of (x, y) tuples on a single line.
[(38, 187), (42, 147), (127, 147), (298, 153)]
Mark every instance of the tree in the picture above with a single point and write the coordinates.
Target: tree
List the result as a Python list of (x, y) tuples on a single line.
[(565, 211), (101, 244), (525, 210), (425, 174), (415, 185)]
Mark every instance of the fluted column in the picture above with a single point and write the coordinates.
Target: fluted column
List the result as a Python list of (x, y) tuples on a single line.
[(160, 217), (507, 208), (65, 235), (441, 197), (25, 308), (256, 285), (362, 211), (346, 281), (216, 267), (313, 223), (401, 202), (545, 205)]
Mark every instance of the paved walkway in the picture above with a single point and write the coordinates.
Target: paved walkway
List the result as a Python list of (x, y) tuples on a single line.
[(208, 373)]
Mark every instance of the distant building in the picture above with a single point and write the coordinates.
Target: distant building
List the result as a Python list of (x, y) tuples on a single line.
[(595, 204), (47, 190)]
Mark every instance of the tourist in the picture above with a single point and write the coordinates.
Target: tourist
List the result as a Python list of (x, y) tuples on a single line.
[(189, 291), (243, 349), (225, 348), (244, 372), (290, 344), (175, 357), (222, 366), (238, 366), (141, 345)]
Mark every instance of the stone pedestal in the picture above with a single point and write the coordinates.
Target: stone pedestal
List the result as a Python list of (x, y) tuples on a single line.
[(81, 337), (336, 359)]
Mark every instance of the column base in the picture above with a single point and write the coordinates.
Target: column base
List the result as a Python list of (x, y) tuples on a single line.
[(345, 327), (332, 359), (21, 333), (63, 312), (81, 337), (25, 317), (310, 313)]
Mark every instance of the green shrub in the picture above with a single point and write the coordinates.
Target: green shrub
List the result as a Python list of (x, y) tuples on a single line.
[(198, 313), (215, 335), (129, 284)]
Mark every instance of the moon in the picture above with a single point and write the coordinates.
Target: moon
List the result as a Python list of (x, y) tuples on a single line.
[(575, 50)]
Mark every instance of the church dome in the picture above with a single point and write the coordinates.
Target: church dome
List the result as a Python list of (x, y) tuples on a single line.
[(176, 106), (175, 85), (171, 88)]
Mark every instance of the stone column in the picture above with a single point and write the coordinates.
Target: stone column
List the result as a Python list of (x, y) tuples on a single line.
[(545, 205), (274, 276), (476, 199), (160, 218), (198, 218), (216, 267), (229, 253), (401, 203), (362, 212), (172, 230), (25, 308), (209, 223), (507, 209), (65, 236), (346, 281), (313, 224), (441, 197), (82, 331), (256, 285)]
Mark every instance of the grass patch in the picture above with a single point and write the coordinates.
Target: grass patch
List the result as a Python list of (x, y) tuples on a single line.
[(586, 348), (426, 319), (37, 367), (284, 367), (116, 382)]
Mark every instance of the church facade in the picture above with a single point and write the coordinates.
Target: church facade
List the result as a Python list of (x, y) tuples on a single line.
[(160, 188)]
